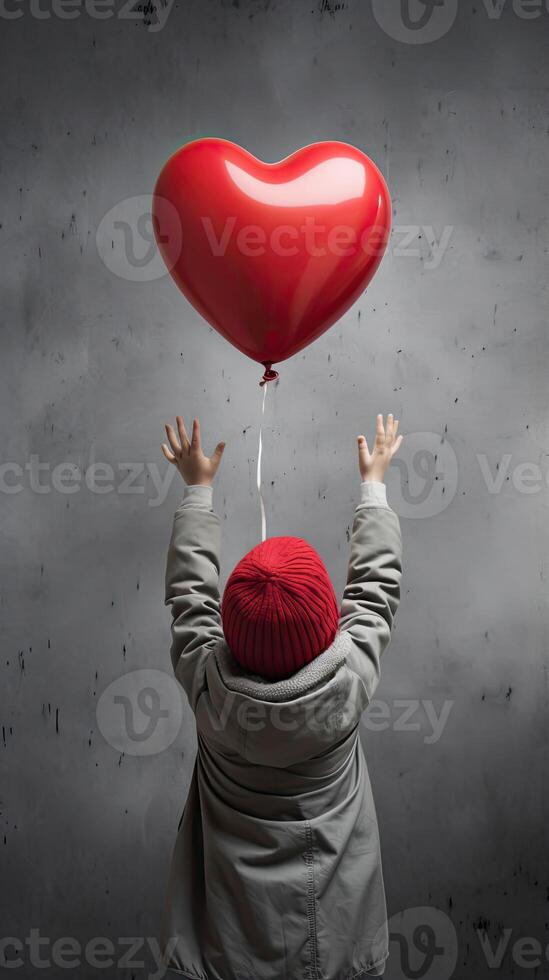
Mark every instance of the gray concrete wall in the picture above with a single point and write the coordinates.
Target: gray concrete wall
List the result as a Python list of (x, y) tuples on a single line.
[(99, 350)]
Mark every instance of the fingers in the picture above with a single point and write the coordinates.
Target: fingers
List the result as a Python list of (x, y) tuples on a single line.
[(176, 448), (395, 444), (388, 432), (217, 454), (169, 456), (172, 439), (380, 431), (183, 437), (195, 439), (362, 446)]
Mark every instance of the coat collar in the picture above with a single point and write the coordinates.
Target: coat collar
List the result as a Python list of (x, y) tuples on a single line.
[(304, 680)]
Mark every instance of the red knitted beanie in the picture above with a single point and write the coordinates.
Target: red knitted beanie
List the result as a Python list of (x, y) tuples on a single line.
[(279, 608)]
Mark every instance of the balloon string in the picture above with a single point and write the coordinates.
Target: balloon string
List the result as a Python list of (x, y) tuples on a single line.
[(259, 454)]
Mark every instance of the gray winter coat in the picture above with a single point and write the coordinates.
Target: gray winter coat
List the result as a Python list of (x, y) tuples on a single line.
[(276, 871)]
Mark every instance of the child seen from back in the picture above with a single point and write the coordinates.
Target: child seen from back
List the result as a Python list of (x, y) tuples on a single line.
[(276, 870)]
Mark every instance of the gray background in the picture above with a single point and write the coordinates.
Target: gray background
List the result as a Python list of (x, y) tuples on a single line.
[(93, 364)]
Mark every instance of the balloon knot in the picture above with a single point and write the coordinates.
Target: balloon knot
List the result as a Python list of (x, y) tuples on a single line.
[(269, 375)]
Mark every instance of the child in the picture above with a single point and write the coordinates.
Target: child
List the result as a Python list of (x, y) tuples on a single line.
[(276, 872)]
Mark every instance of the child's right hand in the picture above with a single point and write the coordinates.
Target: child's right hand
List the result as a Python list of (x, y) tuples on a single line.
[(373, 466)]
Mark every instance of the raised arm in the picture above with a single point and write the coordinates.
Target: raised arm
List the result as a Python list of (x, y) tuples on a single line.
[(372, 592), (192, 570)]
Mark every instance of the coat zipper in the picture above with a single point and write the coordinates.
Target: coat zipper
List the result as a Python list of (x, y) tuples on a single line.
[(311, 903)]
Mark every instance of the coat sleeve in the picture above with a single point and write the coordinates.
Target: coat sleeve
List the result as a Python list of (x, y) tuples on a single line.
[(192, 589), (372, 592)]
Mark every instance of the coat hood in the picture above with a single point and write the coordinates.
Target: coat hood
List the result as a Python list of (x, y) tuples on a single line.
[(281, 723)]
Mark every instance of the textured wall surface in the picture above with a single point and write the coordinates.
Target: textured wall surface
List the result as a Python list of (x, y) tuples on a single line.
[(99, 349)]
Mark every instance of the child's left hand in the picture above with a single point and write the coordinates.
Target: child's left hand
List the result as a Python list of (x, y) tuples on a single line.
[(187, 455)]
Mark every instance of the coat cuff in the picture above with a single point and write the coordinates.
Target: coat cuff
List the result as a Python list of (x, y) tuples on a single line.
[(199, 496), (373, 494)]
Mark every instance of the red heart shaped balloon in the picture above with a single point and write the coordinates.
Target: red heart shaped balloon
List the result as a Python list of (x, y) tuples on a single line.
[(271, 254)]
